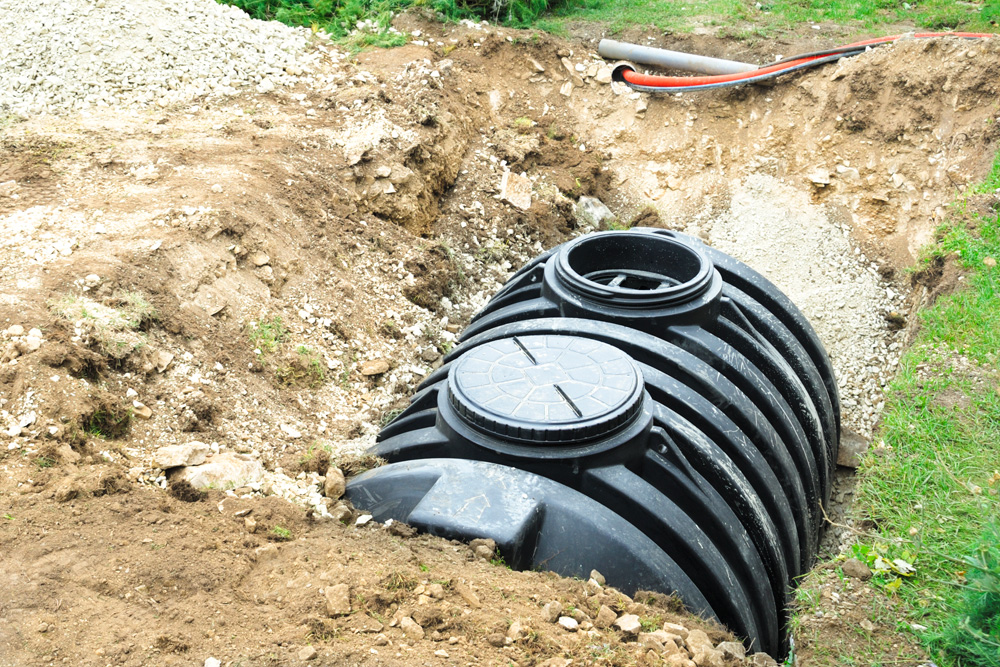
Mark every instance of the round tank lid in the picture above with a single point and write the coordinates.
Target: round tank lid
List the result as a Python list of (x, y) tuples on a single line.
[(546, 389)]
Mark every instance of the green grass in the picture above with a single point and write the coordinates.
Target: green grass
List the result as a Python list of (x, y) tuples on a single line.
[(267, 335), (744, 19), (933, 489), (735, 18)]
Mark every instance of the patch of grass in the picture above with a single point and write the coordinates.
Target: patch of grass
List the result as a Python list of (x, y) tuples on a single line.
[(755, 20), (386, 417), (304, 370), (114, 325), (44, 462), (280, 534), (972, 634), (267, 335), (932, 484), (108, 422)]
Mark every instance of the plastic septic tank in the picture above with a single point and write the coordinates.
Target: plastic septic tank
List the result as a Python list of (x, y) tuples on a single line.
[(634, 402)]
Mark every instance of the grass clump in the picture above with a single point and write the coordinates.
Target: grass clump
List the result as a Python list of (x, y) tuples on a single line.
[(972, 634), (114, 326), (267, 335), (280, 534), (932, 483)]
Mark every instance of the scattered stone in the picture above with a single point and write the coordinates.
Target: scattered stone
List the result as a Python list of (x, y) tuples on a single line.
[(568, 623), (539, 68), (307, 653), (566, 89), (556, 662), (374, 367), (676, 629), (381, 640), (820, 178), (552, 611), (411, 629), (603, 75), (441, 653), (435, 591), (260, 259), (213, 662), (484, 548), (855, 569), (598, 577), (733, 650), (628, 624), (762, 660), (383, 171), (163, 360), (251, 524), (7, 188), (515, 632), (223, 471), (641, 106), (592, 211), (174, 456), (216, 188), (466, 593), (606, 616), (338, 599), (335, 484), (516, 190), (852, 448), (140, 409)]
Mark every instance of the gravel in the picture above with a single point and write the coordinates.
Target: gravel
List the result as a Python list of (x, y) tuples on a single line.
[(58, 56), (798, 246)]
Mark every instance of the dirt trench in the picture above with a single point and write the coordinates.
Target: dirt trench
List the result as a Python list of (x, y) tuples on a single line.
[(274, 275)]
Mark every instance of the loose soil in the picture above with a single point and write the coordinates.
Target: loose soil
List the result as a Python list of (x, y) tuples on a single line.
[(363, 210)]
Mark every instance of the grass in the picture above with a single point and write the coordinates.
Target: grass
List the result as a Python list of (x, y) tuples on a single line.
[(267, 335), (113, 325), (933, 487), (748, 19), (280, 534)]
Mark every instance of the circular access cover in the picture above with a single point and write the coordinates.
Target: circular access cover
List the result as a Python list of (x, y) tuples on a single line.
[(546, 389)]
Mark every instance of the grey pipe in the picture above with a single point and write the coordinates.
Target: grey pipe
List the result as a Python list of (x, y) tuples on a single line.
[(689, 62)]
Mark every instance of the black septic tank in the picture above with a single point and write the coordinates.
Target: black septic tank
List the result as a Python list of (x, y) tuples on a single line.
[(633, 402)]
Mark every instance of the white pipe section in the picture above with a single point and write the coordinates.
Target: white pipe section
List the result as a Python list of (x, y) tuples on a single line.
[(689, 62)]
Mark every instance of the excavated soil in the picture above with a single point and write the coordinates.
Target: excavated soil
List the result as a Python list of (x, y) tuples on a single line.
[(154, 252)]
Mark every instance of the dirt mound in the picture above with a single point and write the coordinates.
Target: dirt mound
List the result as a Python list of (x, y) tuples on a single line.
[(274, 275)]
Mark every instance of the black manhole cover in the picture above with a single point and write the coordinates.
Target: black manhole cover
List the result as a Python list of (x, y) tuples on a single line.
[(546, 389)]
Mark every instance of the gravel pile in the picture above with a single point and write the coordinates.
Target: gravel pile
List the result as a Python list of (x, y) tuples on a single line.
[(58, 56), (798, 246)]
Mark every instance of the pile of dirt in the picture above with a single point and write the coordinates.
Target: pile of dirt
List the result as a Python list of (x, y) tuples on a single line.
[(273, 275)]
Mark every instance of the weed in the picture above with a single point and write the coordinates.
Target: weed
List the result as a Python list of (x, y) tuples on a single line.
[(9, 517), (108, 422), (523, 125), (386, 418), (281, 534), (424, 568), (613, 225), (397, 581), (267, 335), (493, 252), (44, 462), (304, 370)]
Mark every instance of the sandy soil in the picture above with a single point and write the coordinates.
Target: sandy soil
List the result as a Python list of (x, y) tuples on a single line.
[(152, 251)]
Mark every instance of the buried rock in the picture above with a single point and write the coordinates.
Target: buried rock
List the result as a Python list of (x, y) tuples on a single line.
[(221, 471)]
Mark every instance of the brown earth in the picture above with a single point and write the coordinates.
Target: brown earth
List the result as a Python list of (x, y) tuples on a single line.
[(154, 251)]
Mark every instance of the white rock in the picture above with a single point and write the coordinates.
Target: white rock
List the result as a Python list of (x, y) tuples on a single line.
[(174, 456), (226, 470), (516, 190)]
